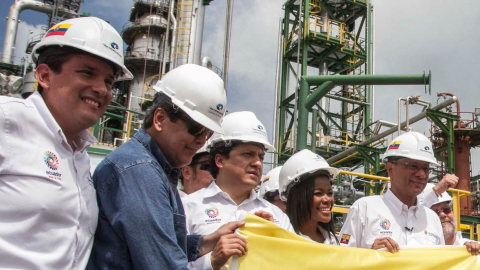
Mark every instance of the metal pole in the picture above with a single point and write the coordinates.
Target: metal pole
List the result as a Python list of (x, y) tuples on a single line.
[(226, 49), (13, 18), (300, 41), (277, 91)]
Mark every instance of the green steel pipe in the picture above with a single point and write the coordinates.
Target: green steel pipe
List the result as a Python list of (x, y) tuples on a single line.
[(314, 97), (383, 79), (313, 139), (302, 123), (326, 82)]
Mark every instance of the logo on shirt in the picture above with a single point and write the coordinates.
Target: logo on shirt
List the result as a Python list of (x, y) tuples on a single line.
[(345, 239), (51, 161), (385, 224), (212, 212)]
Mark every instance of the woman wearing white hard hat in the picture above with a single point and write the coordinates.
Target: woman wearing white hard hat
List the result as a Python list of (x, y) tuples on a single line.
[(306, 186)]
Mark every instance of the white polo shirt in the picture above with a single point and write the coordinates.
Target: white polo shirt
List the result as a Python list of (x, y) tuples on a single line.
[(375, 217), (48, 207), (210, 208)]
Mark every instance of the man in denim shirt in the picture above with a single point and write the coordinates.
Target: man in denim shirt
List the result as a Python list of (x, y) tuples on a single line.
[(142, 221)]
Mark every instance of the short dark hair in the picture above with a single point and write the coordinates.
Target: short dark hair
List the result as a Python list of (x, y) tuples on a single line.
[(55, 56), (160, 100), (223, 149), (299, 204)]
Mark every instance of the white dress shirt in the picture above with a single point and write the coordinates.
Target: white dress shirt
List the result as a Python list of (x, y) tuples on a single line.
[(48, 207), (375, 217), (328, 236), (210, 208)]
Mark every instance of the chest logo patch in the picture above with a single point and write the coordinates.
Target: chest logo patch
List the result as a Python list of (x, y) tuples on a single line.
[(51, 160), (385, 224), (212, 212)]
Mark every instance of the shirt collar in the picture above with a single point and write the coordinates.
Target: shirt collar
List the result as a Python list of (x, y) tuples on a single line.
[(146, 140), (83, 139), (213, 190), (396, 204)]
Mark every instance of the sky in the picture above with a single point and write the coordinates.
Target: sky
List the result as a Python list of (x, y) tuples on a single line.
[(411, 37)]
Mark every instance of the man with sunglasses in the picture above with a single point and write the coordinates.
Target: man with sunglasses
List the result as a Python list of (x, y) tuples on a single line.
[(396, 218), (449, 223), (142, 222), (236, 159), (196, 175)]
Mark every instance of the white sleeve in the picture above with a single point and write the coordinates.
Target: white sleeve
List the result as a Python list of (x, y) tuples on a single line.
[(429, 198), (202, 263), (351, 233)]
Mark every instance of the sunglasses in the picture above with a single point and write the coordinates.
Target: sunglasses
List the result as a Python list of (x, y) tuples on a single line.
[(204, 165), (195, 128), (446, 210)]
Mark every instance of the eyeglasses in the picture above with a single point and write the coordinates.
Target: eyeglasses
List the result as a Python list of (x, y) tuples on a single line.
[(414, 167), (195, 128), (446, 210)]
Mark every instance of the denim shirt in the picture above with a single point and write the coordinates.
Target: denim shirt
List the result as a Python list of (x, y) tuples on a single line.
[(142, 221)]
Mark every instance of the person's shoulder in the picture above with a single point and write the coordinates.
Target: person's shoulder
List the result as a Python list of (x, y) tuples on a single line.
[(368, 200), (129, 154), (194, 198), (16, 105)]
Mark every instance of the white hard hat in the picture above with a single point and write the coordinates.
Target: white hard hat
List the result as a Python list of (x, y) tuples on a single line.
[(242, 126), (411, 145), (89, 34), (270, 182), (302, 163), (197, 91)]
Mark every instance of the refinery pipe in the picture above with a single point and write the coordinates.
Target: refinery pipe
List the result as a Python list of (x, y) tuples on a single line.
[(13, 19), (392, 130)]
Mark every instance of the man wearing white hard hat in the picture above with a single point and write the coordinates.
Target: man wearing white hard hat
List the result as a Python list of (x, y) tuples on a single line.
[(396, 218), (142, 220), (449, 223), (196, 175), (269, 189), (48, 208), (236, 159)]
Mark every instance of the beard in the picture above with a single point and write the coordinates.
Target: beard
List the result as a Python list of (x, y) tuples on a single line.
[(449, 227)]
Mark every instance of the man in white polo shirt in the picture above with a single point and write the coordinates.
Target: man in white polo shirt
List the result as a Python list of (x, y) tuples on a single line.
[(236, 160), (48, 208), (396, 218)]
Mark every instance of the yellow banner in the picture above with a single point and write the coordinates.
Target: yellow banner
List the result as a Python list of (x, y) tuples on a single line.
[(271, 247)]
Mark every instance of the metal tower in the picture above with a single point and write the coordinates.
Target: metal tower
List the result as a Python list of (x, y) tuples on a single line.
[(322, 37)]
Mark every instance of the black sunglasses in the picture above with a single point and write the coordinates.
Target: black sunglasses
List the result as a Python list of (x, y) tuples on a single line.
[(195, 128), (204, 165)]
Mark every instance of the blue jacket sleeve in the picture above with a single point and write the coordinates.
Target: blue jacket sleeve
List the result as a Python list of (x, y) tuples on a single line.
[(142, 210)]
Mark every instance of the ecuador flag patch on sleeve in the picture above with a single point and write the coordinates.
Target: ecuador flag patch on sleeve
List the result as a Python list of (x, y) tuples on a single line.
[(345, 239)]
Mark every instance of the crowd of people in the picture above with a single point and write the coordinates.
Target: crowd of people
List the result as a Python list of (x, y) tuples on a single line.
[(131, 213)]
